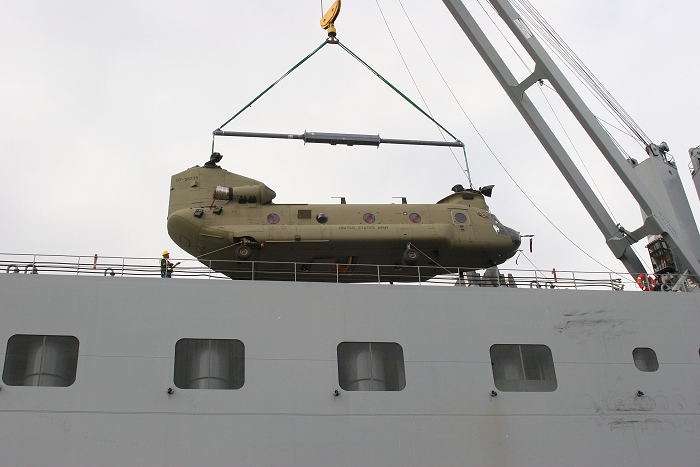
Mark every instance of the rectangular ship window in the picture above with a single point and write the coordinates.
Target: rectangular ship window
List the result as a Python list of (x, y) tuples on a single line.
[(645, 359), (371, 366), (523, 368), (209, 364), (40, 360)]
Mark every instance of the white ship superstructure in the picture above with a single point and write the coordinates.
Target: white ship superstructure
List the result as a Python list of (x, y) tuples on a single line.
[(147, 371)]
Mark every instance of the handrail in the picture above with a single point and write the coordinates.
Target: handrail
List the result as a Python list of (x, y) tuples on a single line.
[(191, 268)]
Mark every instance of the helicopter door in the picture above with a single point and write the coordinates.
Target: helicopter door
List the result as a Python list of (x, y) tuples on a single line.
[(462, 226)]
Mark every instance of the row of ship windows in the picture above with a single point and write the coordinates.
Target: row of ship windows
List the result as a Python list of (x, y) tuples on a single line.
[(33, 360)]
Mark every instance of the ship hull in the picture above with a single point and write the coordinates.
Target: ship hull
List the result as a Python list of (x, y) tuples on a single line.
[(119, 412)]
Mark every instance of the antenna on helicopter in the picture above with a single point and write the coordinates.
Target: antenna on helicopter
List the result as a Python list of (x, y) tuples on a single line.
[(330, 17)]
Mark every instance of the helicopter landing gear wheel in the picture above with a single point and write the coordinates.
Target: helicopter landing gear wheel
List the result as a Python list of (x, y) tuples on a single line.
[(410, 257), (243, 252)]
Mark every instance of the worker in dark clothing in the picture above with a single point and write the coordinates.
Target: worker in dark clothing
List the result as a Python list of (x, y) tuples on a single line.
[(166, 267)]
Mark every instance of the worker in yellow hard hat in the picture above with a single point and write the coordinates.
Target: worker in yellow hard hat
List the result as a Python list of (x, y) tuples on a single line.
[(166, 267)]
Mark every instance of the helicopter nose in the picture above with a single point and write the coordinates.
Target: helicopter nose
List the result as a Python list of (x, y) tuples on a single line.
[(515, 237)]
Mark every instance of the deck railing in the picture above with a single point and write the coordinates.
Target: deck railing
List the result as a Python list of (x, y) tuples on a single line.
[(109, 266)]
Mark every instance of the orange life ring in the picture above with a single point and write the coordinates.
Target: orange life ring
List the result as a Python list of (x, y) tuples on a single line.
[(645, 282)]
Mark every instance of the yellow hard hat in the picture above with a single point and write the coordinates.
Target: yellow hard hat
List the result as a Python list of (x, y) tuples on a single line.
[(166, 252)]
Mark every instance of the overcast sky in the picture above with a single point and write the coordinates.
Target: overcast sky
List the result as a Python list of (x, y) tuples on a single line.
[(101, 102)]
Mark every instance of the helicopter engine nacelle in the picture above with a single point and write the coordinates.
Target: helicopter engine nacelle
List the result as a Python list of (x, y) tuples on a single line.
[(259, 193)]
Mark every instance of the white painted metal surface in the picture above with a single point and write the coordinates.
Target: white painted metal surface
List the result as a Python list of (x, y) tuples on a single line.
[(118, 411)]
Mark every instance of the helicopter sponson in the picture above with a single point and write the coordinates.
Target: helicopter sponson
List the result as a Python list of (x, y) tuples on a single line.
[(230, 224)]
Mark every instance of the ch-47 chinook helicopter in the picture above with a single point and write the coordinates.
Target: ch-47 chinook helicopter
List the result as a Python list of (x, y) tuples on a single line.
[(228, 221)]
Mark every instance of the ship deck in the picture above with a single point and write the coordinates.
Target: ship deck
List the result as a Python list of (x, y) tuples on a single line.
[(193, 269)]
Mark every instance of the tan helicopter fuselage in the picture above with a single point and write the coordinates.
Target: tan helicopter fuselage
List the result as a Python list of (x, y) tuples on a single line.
[(457, 231)]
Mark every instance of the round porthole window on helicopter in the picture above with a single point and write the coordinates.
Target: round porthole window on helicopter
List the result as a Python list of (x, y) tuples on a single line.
[(273, 218), (460, 218), (369, 218), (321, 218), (414, 217)]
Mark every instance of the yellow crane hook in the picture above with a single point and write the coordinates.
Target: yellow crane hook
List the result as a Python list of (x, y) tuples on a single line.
[(329, 18)]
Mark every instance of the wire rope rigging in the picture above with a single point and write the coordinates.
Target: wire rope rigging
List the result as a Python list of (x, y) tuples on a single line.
[(561, 48), (327, 23)]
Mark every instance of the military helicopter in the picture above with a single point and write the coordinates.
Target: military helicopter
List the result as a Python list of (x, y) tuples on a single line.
[(230, 223)]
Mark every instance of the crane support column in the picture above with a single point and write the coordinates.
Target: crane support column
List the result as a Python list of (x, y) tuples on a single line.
[(655, 221), (516, 92)]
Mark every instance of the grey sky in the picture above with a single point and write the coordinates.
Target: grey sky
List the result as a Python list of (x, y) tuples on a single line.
[(101, 102)]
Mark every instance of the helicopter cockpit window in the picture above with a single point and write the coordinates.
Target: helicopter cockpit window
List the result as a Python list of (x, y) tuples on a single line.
[(460, 217), (489, 217), (414, 217), (369, 218), (273, 218)]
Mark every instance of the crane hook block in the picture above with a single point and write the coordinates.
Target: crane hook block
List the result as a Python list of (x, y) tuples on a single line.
[(330, 17)]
